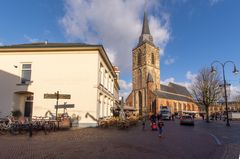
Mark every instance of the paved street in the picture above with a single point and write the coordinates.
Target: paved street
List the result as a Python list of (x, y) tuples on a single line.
[(213, 141), (226, 136)]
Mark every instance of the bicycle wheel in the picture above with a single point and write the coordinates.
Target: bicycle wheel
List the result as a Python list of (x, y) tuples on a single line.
[(14, 129), (23, 128), (3, 131)]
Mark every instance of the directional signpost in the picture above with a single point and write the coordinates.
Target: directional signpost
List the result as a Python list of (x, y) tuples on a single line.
[(57, 96), (64, 106)]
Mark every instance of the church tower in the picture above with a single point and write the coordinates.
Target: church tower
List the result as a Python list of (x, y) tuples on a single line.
[(145, 68)]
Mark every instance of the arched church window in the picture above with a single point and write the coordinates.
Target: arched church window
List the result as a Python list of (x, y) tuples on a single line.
[(153, 59), (140, 79), (139, 58)]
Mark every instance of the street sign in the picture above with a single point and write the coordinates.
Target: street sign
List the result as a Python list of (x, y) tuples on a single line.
[(50, 96), (64, 96), (64, 106), (55, 95), (58, 96)]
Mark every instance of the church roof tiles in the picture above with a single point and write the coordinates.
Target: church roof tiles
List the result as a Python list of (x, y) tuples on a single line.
[(174, 92)]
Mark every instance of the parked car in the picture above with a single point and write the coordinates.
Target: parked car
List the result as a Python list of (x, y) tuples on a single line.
[(186, 120)]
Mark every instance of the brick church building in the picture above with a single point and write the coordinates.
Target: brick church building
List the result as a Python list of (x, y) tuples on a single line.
[(147, 93)]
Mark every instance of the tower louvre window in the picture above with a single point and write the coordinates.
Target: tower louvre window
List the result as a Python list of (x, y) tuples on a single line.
[(139, 58), (153, 59)]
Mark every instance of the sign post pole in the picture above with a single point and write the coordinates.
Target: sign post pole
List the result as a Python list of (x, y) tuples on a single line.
[(58, 96), (57, 104)]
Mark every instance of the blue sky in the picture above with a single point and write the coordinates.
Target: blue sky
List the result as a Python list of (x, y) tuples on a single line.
[(190, 33)]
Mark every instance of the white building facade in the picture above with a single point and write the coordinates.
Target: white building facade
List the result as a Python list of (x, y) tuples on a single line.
[(30, 71)]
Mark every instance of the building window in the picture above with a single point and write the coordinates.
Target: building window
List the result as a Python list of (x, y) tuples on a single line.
[(175, 107), (109, 83), (139, 58), (105, 79), (184, 107), (101, 74), (168, 104), (153, 59), (179, 107), (112, 83), (26, 73)]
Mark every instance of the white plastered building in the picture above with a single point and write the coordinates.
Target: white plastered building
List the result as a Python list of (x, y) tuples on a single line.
[(28, 71)]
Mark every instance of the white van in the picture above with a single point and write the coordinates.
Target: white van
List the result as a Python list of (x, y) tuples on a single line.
[(165, 112)]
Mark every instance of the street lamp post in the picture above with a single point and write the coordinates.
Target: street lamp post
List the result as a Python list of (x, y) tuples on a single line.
[(235, 71)]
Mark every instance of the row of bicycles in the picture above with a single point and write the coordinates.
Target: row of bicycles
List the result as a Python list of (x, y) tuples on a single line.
[(23, 126)]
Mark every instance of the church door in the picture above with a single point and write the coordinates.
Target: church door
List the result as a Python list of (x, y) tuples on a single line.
[(154, 106)]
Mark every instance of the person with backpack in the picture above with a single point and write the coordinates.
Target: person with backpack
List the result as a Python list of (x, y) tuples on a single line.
[(160, 127), (153, 119)]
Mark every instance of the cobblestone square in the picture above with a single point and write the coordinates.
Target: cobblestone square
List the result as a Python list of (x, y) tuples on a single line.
[(177, 142)]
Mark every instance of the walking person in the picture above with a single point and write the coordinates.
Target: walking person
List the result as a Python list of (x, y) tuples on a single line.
[(153, 120), (173, 116), (143, 122), (160, 127)]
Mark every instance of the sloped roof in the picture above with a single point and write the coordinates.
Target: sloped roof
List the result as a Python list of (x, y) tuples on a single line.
[(167, 89), (149, 78), (166, 95), (175, 92), (47, 45), (179, 89)]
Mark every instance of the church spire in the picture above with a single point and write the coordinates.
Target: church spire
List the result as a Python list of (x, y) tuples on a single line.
[(145, 28), (146, 35)]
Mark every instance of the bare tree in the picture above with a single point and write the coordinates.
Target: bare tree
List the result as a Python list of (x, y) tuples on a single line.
[(205, 89)]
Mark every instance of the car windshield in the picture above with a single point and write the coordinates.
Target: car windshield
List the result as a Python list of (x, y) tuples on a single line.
[(164, 111), (186, 117)]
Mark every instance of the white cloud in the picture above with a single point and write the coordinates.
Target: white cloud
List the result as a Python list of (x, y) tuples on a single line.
[(171, 79), (125, 88), (169, 61), (31, 40), (111, 55), (166, 81), (116, 24), (1, 44), (213, 2), (234, 92), (190, 76), (160, 30)]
